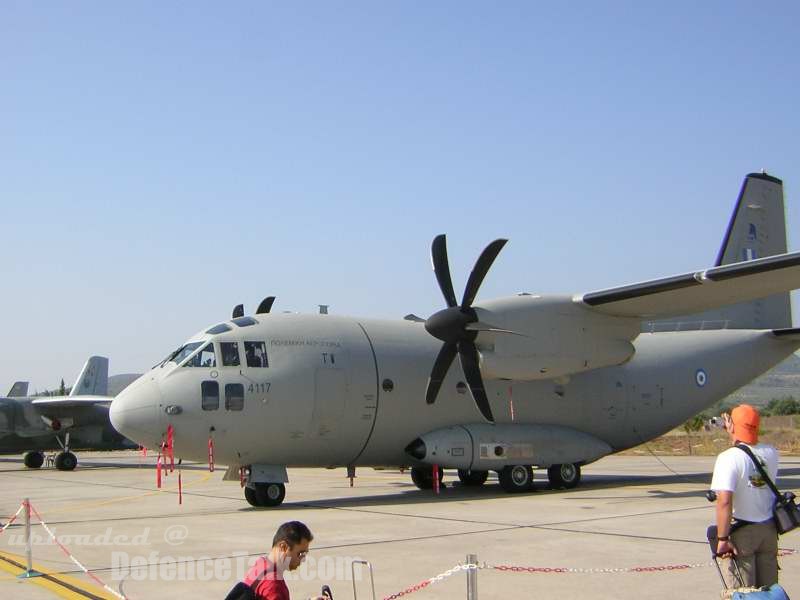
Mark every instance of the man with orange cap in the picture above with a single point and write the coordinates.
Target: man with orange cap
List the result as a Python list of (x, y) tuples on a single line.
[(745, 528)]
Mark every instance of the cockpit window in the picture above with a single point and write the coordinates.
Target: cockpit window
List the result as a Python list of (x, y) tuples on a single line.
[(181, 353), (256, 353), (221, 328), (230, 353), (244, 321), (204, 358)]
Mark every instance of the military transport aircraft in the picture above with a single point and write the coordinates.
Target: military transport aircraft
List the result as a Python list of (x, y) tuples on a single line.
[(546, 381), (80, 420)]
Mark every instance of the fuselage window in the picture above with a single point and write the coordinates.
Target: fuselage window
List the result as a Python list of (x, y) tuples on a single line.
[(256, 353), (204, 358), (182, 352), (221, 328), (234, 396), (244, 321), (230, 353), (210, 390)]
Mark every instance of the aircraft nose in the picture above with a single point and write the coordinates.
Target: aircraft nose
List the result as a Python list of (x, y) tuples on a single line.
[(134, 412)]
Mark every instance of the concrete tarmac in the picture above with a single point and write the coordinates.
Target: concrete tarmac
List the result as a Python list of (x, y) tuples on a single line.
[(630, 512)]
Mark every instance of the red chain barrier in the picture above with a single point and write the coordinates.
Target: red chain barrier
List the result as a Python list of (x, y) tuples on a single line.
[(411, 590)]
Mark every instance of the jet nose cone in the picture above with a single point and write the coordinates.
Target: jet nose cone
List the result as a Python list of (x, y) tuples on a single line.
[(134, 412)]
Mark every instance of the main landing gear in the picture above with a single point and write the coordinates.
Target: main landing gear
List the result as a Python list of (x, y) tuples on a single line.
[(33, 460), (512, 478), (565, 476)]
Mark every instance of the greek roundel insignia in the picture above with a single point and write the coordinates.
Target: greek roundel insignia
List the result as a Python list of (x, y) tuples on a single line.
[(700, 378)]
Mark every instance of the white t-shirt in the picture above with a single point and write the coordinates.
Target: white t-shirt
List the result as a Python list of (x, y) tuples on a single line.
[(735, 472)]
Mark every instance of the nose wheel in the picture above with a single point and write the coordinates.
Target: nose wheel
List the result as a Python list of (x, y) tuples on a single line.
[(263, 495)]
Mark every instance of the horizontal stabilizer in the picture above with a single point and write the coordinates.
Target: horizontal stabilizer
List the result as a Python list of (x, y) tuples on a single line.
[(790, 333), (701, 290)]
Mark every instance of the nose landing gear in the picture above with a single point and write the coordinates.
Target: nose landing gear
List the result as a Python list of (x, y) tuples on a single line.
[(264, 485), (264, 494)]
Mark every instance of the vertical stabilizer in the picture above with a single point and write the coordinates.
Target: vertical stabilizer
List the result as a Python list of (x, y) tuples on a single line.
[(93, 380), (757, 229), (18, 390)]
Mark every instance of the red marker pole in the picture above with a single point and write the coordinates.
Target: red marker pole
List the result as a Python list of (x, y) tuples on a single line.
[(171, 447), (436, 479), (210, 454), (158, 471)]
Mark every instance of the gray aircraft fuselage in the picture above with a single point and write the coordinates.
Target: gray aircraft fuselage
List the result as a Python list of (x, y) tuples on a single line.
[(342, 391)]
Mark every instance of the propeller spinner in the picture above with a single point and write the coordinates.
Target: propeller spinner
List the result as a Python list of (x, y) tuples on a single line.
[(452, 324)]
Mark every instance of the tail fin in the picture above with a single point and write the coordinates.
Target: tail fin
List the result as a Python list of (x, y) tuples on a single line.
[(18, 390), (757, 229), (93, 380)]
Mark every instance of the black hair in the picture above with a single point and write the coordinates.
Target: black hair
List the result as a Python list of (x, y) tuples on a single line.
[(292, 533)]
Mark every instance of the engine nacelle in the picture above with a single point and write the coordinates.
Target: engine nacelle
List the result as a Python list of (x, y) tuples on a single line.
[(554, 336), (487, 447)]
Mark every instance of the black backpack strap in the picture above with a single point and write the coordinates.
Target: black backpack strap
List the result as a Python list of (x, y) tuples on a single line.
[(749, 452)]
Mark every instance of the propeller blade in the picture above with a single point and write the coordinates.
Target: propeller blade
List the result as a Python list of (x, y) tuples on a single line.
[(468, 354), (266, 305), (238, 311), (441, 267), (443, 361), (482, 266)]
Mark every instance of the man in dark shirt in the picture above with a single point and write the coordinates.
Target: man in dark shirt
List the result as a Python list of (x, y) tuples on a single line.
[(289, 549)]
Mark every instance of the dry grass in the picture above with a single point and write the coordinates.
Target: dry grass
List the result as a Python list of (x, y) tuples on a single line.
[(781, 432)]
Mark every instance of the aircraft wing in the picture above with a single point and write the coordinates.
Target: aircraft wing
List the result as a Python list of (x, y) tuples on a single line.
[(700, 290), (72, 401)]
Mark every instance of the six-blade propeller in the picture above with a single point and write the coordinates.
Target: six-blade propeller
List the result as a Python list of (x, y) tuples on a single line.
[(452, 324)]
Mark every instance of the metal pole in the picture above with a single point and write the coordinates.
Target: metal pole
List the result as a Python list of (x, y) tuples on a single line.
[(28, 549), (29, 572), (472, 577)]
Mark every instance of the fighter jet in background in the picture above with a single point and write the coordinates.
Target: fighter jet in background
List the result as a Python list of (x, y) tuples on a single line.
[(79, 420), (545, 381)]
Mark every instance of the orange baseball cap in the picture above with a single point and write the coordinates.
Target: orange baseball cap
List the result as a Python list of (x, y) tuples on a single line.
[(745, 423)]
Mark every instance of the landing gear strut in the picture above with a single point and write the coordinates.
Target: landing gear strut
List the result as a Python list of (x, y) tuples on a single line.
[(33, 460)]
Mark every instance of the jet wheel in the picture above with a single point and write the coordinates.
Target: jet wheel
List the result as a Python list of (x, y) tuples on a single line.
[(270, 494), (516, 478), (472, 478), (66, 461), (565, 476), (250, 496), (33, 460), (423, 477)]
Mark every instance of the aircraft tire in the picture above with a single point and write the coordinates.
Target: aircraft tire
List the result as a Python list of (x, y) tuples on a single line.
[(423, 477), (472, 478), (516, 478), (66, 461), (270, 494), (33, 460), (565, 476), (250, 496)]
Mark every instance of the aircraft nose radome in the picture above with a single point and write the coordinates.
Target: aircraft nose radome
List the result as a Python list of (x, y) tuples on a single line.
[(134, 412)]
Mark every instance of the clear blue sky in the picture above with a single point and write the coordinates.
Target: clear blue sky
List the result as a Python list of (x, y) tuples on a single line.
[(161, 162)]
